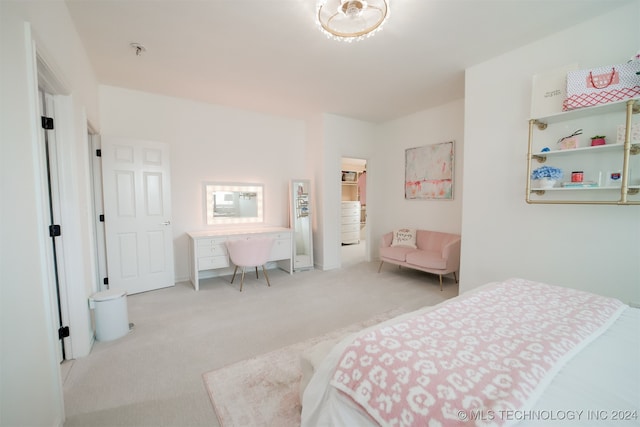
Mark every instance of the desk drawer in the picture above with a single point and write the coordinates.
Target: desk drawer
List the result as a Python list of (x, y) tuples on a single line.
[(281, 249), (281, 236), (211, 262), (212, 250), (209, 241)]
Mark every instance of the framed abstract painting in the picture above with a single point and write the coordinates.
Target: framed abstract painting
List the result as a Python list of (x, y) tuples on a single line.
[(429, 172)]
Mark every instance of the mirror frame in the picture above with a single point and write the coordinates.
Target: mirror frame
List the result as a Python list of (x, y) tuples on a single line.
[(211, 187)]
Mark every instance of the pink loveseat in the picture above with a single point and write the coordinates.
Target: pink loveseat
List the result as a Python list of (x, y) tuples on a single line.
[(435, 252)]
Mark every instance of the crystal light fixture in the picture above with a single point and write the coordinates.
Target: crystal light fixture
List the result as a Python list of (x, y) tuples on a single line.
[(350, 20)]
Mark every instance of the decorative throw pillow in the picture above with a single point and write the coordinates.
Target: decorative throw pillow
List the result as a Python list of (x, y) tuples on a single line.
[(404, 237)]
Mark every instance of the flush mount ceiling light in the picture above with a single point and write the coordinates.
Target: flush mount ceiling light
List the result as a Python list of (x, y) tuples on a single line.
[(350, 20)]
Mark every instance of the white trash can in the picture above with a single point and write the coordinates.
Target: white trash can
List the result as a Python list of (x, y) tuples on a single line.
[(110, 314)]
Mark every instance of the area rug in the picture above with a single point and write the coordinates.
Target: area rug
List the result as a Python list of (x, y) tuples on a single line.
[(264, 390)]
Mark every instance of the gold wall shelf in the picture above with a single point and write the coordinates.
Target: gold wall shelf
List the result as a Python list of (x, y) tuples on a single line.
[(628, 149)]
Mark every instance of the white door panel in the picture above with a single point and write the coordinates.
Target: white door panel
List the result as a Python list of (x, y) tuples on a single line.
[(137, 209), (55, 257)]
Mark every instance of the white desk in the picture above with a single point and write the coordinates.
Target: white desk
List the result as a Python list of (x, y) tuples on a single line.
[(207, 249)]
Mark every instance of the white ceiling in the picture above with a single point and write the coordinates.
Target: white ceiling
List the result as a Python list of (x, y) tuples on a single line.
[(269, 55)]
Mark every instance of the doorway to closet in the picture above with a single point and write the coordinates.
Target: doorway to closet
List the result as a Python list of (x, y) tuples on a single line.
[(353, 225)]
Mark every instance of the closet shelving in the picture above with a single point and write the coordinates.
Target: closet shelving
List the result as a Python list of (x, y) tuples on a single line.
[(352, 211)]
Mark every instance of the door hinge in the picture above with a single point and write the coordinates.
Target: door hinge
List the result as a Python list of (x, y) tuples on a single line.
[(47, 122), (54, 230), (101, 217), (63, 332), (105, 281), (98, 153)]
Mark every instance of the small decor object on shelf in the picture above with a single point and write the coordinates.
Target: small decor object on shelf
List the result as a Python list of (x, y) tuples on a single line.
[(598, 140), (549, 90), (570, 141), (546, 176), (546, 183), (349, 176), (577, 176), (614, 178), (583, 184), (602, 85), (635, 133)]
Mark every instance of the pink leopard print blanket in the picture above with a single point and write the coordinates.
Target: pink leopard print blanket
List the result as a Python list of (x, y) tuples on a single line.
[(493, 350)]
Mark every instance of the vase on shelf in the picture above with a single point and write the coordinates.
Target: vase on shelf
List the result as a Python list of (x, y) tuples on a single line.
[(546, 182)]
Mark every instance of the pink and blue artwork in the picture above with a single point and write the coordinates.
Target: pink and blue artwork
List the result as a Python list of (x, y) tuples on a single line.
[(429, 172)]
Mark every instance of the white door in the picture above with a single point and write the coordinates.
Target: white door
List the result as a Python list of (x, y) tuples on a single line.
[(98, 212), (137, 209), (56, 261)]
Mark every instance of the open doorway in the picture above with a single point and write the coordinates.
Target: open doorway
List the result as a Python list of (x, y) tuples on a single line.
[(353, 225)]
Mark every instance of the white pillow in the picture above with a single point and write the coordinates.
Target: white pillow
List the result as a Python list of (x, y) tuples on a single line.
[(404, 237)]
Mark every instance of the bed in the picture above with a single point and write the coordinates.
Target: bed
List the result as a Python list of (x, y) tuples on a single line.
[(516, 352)]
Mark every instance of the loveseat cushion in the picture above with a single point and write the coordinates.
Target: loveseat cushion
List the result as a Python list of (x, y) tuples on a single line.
[(433, 240), (397, 253), (427, 259)]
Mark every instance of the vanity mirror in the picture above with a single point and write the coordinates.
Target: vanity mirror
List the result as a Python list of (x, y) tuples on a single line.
[(233, 203)]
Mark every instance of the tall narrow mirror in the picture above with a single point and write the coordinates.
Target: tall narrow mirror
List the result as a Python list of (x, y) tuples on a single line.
[(300, 219)]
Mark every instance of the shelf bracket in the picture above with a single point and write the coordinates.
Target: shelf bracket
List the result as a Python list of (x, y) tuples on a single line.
[(635, 149), (540, 159), (540, 125), (632, 191), (538, 192)]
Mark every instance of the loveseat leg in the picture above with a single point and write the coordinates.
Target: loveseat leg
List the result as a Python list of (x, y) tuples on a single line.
[(440, 282), (455, 277), (380, 266)]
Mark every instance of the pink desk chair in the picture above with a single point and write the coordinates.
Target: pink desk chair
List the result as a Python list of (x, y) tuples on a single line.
[(250, 253)]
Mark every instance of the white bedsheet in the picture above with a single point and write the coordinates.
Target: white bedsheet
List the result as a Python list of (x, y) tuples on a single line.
[(600, 386)]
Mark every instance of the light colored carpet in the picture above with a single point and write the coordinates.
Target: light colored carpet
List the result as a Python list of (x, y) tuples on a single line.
[(264, 391), (153, 375)]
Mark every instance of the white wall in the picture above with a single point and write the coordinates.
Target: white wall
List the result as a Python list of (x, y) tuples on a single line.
[(341, 137), (315, 165), (30, 374), (594, 248), (215, 143), (210, 143), (441, 124)]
